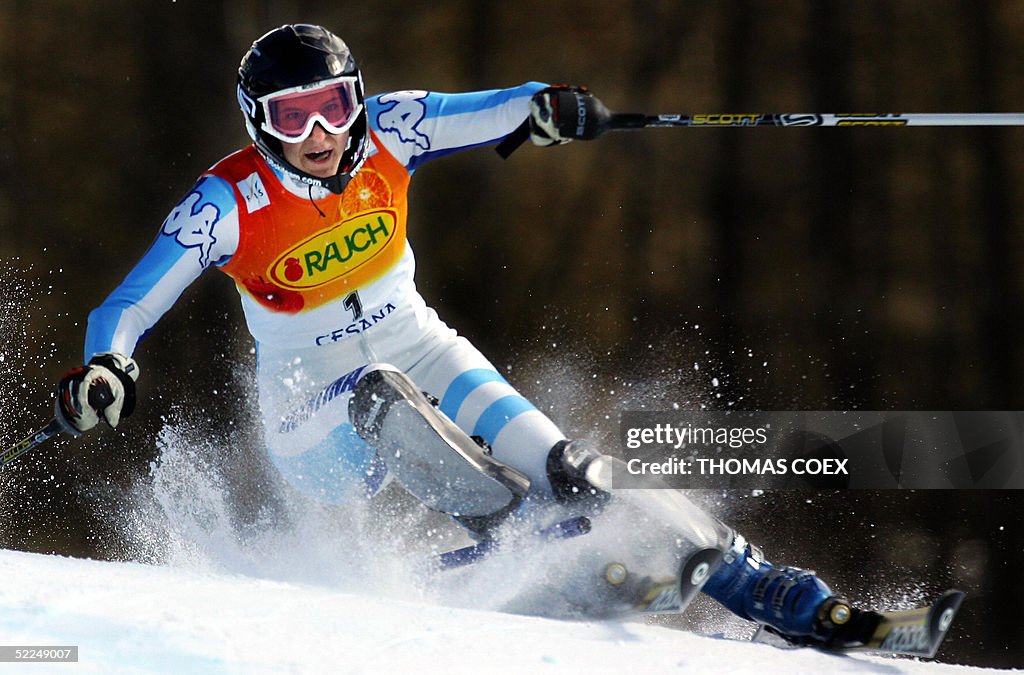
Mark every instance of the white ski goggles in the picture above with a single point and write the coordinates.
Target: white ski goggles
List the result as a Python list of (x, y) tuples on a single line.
[(290, 114)]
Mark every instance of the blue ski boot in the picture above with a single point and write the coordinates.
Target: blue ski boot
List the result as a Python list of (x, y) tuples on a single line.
[(790, 602)]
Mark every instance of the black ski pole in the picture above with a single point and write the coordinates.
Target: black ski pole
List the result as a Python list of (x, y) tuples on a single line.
[(620, 121), (32, 441), (630, 121)]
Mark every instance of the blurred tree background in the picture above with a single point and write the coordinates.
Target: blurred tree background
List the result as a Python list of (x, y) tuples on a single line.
[(770, 269)]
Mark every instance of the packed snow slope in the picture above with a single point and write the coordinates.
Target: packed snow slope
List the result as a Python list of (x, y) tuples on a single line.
[(130, 617)]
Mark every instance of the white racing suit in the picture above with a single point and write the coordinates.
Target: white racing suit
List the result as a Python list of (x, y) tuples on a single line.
[(327, 287)]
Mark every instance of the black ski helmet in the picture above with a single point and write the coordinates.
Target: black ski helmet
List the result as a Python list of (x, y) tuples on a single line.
[(292, 56)]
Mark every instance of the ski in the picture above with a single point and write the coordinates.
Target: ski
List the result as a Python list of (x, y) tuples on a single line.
[(911, 632), (643, 594), (566, 529)]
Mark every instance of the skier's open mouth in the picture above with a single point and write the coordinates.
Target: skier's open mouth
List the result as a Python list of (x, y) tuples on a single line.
[(320, 156)]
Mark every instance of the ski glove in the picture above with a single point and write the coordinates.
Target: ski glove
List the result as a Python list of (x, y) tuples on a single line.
[(562, 113), (105, 387)]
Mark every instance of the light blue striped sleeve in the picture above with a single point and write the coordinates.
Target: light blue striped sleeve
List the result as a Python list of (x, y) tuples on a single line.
[(201, 230), (417, 126)]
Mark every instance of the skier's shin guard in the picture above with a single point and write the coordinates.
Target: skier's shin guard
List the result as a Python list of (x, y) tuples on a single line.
[(431, 457)]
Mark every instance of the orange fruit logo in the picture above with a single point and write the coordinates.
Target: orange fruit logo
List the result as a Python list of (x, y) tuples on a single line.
[(336, 252), (367, 190)]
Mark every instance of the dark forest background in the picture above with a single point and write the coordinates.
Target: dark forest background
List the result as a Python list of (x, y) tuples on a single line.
[(775, 269)]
